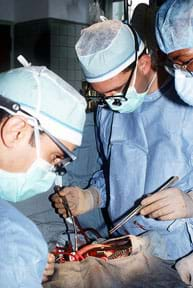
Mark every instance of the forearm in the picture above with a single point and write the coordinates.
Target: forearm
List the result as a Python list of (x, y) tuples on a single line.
[(98, 183)]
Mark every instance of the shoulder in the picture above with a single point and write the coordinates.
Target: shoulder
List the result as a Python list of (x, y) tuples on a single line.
[(17, 228), (23, 251)]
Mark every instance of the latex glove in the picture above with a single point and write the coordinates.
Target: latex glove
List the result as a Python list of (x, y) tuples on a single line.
[(79, 200), (185, 269), (49, 270), (151, 243), (168, 204)]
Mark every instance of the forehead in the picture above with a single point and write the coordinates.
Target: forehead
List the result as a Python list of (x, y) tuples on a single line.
[(112, 83), (181, 55)]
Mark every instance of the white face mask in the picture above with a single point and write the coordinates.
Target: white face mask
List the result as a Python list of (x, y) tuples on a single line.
[(132, 99), (184, 86), (20, 186)]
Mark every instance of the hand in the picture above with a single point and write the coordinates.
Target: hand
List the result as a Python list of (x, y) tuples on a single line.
[(138, 244), (168, 204), (185, 269), (49, 270), (80, 201), (151, 243)]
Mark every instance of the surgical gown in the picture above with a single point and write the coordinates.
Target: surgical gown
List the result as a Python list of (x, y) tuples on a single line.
[(140, 151), (23, 251)]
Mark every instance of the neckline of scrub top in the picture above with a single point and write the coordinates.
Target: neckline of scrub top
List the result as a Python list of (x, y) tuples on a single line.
[(158, 93)]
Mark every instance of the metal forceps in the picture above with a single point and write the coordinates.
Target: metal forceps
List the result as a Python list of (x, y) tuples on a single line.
[(136, 210), (69, 214)]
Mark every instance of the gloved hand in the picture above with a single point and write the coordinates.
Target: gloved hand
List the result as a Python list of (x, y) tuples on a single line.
[(151, 243), (168, 204), (49, 270), (185, 269), (79, 200)]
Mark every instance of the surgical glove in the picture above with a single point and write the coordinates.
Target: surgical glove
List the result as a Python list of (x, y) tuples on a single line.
[(49, 270), (151, 243), (168, 204), (185, 269), (79, 201)]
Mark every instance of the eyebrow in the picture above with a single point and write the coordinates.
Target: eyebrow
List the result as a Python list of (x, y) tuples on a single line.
[(115, 88)]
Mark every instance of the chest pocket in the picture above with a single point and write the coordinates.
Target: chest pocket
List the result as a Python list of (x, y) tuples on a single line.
[(129, 129)]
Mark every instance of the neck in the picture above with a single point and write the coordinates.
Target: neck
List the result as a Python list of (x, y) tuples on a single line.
[(162, 76)]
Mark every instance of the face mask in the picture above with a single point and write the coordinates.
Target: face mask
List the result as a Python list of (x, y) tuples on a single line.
[(20, 186), (184, 86), (131, 101), (127, 104)]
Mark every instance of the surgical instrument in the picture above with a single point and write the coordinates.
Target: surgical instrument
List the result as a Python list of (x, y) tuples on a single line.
[(136, 210), (69, 214)]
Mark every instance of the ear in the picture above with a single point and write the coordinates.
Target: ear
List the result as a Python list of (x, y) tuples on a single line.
[(144, 64), (14, 130)]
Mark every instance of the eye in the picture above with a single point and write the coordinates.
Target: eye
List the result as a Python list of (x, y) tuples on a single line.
[(56, 159)]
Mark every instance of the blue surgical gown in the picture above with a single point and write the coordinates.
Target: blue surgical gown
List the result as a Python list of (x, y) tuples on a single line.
[(140, 151), (23, 251)]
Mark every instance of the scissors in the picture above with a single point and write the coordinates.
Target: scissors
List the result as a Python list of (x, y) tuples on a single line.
[(136, 210)]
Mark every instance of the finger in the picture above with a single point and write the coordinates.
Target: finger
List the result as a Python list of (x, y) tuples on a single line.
[(168, 217), (59, 205), (45, 278), (167, 193), (66, 191), (62, 212), (51, 258), (153, 207), (185, 276), (50, 270), (191, 278), (152, 198), (65, 214), (157, 214), (56, 198)]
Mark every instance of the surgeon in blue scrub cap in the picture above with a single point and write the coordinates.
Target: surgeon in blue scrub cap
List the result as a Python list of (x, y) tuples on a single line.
[(144, 135), (174, 32), (41, 122)]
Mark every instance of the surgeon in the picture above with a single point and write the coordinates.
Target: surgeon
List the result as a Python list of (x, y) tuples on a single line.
[(140, 145), (41, 123), (174, 32)]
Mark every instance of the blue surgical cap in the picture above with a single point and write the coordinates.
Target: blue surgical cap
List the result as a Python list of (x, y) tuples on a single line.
[(174, 25), (105, 49), (40, 92)]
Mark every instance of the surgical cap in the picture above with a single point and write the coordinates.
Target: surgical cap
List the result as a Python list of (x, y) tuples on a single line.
[(105, 49), (57, 105), (174, 25)]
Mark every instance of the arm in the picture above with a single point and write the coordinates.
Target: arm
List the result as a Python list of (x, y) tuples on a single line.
[(23, 252), (83, 200)]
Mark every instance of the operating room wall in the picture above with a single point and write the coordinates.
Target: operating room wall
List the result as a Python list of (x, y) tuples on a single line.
[(7, 10), (50, 42), (69, 10)]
